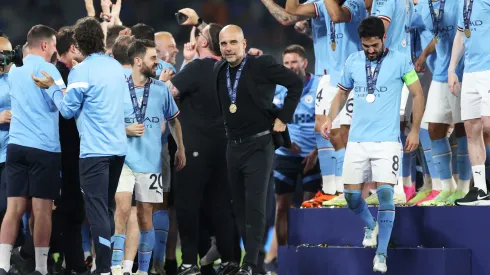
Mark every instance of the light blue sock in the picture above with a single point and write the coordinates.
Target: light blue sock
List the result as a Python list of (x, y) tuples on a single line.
[(406, 158), (25, 224), (145, 247), (161, 226), (386, 217), (327, 163), (454, 159), (358, 205), (441, 154), (427, 146), (86, 243), (339, 159), (463, 157), (487, 163), (118, 249)]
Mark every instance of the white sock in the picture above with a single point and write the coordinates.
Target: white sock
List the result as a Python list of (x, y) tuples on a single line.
[(339, 184), (328, 186), (94, 267), (86, 254), (187, 265), (436, 184), (464, 185), (448, 184), (5, 252), (427, 182), (108, 273), (127, 266), (42, 259), (479, 177)]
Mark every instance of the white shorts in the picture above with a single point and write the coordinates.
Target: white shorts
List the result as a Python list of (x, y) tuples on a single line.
[(147, 186), (372, 161), (475, 97), (442, 106), (325, 94)]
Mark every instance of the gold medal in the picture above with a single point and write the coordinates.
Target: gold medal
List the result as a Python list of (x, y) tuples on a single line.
[(333, 45), (233, 108), (436, 39), (467, 32)]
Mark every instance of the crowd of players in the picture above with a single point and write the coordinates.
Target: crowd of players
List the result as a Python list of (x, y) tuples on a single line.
[(425, 47)]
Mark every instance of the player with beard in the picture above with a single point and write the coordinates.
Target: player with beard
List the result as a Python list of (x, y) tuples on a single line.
[(126, 233), (374, 147), (206, 170), (95, 96), (33, 153), (147, 102)]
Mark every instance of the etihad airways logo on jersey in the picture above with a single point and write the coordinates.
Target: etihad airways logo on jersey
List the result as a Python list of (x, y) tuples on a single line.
[(445, 29), (364, 90), (131, 120), (476, 23)]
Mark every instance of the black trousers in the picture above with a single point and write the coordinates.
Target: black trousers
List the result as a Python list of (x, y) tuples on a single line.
[(99, 177), (204, 181), (71, 212), (249, 169)]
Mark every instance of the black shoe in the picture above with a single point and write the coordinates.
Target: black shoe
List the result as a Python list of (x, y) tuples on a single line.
[(476, 197), (170, 267), (245, 270), (35, 273), (193, 270), (272, 266), (89, 262), (22, 265), (229, 269)]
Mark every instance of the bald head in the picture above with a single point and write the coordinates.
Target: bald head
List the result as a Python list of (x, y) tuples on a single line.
[(166, 47), (5, 44), (232, 44)]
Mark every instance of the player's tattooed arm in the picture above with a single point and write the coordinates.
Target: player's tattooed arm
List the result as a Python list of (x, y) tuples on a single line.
[(280, 14)]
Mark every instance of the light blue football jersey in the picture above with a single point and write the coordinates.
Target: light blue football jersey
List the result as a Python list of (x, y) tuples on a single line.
[(399, 14), (378, 121), (477, 50), (320, 38), (346, 37), (302, 127), (447, 31), (144, 153)]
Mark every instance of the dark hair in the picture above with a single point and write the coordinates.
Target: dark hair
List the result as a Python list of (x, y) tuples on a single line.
[(214, 30), (143, 31), (297, 49), (89, 36), (137, 48), (38, 34), (112, 34), (120, 49), (371, 27), (64, 40)]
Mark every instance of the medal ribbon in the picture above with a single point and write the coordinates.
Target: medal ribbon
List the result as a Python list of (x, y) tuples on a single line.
[(372, 78), (139, 112), (232, 91), (437, 19), (467, 13)]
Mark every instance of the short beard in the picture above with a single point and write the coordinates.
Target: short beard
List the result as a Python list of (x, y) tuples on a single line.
[(147, 71)]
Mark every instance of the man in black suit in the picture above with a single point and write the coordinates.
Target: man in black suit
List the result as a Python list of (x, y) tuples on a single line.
[(246, 86)]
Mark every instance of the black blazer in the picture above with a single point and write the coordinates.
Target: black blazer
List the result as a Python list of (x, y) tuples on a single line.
[(264, 74)]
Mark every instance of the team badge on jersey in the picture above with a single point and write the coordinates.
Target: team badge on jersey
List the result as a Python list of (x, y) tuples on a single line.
[(308, 99)]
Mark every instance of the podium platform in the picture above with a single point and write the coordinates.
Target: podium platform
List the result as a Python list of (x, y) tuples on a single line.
[(460, 228), (359, 261)]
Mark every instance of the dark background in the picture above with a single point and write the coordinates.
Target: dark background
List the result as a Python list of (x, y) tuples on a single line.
[(260, 28)]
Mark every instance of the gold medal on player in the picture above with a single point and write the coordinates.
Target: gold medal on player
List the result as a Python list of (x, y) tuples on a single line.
[(333, 46), (436, 39), (233, 108), (467, 32)]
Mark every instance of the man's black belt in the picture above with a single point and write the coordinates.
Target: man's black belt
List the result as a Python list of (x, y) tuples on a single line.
[(241, 140)]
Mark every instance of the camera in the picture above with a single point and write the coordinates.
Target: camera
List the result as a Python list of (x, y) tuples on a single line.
[(15, 56)]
